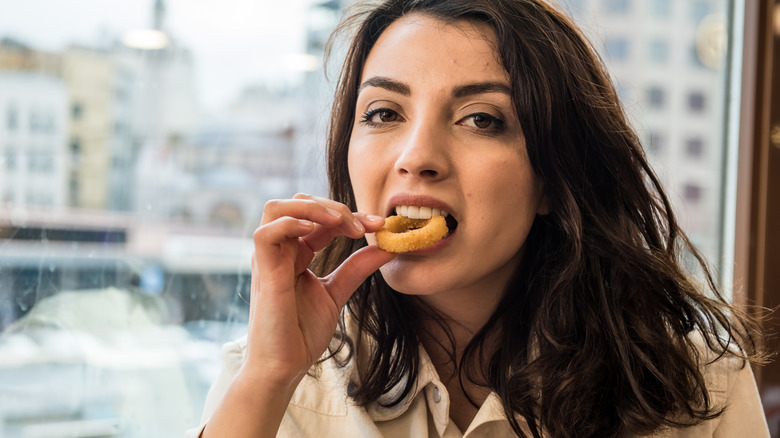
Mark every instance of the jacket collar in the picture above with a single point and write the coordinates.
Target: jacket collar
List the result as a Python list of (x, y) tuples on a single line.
[(430, 387)]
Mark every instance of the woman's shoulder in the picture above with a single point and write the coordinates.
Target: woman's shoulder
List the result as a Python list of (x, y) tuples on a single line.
[(731, 386), (721, 361)]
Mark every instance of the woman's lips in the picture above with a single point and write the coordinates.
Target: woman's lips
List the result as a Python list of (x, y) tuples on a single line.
[(424, 201), (422, 207)]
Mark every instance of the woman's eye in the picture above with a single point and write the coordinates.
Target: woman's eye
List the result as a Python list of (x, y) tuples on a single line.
[(379, 115), (484, 121)]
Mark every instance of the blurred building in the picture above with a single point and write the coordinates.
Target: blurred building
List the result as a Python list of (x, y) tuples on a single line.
[(317, 90), (157, 89), (269, 143), (73, 123), (668, 60), (155, 99), (33, 127), (90, 77), (121, 100), (223, 173)]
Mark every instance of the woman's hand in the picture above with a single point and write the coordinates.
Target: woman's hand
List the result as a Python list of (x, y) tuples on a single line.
[(293, 313)]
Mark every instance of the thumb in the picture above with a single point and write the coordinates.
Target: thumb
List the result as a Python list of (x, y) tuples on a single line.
[(343, 282)]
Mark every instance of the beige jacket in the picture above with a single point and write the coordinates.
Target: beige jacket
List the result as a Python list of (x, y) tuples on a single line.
[(320, 406)]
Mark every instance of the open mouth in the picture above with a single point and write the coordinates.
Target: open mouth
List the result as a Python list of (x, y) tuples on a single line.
[(416, 212)]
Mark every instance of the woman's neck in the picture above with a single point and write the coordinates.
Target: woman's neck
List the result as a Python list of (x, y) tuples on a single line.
[(465, 395), (445, 341), (446, 329), (465, 312)]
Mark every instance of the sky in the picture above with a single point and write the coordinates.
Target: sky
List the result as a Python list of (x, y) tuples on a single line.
[(234, 42)]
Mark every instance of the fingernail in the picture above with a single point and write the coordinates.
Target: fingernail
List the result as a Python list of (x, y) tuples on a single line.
[(333, 213), (305, 223), (358, 226), (374, 218)]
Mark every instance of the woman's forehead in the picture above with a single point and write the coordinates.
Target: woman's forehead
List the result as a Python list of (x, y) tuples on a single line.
[(421, 45)]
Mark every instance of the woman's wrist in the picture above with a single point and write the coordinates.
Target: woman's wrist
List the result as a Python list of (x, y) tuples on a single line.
[(253, 405), (273, 379)]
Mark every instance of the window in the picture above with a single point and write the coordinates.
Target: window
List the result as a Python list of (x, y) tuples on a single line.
[(12, 118), (692, 192), (73, 189), (656, 142), (661, 8), (10, 159), (125, 268), (696, 102), (75, 150), (617, 49), (678, 91), (617, 6), (34, 122), (658, 51), (694, 148), (76, 111), (39, 161), (48, 122), (656, 97), (32, 162)]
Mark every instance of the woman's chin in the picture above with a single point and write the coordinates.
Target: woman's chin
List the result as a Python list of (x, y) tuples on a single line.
[(411, 280)]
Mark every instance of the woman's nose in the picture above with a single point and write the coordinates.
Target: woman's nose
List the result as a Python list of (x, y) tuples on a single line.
[(423, 154)]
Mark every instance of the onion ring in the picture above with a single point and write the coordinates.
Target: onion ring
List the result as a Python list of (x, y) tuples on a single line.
[(401, 234)]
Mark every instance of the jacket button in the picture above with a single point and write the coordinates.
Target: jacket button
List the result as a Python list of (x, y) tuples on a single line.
[(436, 394)]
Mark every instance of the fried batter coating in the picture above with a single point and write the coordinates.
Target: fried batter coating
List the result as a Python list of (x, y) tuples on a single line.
[(401, 234)]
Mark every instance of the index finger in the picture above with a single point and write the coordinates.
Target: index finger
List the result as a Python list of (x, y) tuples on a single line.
[(323, 236), (300, 209), (351, 225)]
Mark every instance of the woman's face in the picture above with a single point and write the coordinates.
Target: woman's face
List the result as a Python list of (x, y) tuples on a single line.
[(435, 127)]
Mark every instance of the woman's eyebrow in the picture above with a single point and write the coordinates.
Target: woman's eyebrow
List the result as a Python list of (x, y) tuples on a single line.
[(480, 88), (387, 84), (457, 92)]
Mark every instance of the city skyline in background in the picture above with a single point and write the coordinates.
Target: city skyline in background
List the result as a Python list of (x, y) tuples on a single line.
[(110, 127), (667, 59), (234, 43), (112, 140), (120, 110)]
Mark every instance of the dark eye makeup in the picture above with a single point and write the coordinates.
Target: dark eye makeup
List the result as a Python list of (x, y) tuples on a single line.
[(481, 122), (384, 115)]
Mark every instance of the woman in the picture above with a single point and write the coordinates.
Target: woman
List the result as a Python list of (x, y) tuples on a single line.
[(555, 306)]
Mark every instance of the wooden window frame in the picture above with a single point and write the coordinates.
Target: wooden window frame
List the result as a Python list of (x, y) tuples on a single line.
[(757, 222)]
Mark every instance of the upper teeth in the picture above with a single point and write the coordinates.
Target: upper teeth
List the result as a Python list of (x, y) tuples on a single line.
[(413, 212)]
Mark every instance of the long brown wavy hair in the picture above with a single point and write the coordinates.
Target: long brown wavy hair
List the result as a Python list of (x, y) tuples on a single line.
[(598, 325)]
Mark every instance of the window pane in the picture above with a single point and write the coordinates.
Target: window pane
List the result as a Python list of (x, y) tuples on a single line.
[(683, 74), (140, 140), (658, 51), (617, 48)]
